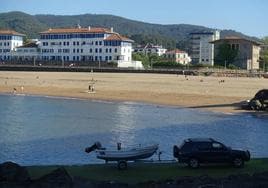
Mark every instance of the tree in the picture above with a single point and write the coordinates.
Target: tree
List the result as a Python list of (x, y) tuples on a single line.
[(226, 55), (141, 57)]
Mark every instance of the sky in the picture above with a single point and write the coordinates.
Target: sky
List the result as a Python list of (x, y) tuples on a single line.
[(247, 16)]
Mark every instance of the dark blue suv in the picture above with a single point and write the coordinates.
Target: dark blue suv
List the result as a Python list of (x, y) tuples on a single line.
[(194, 151)]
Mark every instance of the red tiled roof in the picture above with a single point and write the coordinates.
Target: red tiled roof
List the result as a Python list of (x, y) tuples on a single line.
[(177, 51), (10, 32), (118, 37), (77, 30)]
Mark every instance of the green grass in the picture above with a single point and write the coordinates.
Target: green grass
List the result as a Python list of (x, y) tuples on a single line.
[(139, 172)]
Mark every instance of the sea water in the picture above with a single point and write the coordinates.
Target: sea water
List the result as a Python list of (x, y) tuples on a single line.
[(37, 130)]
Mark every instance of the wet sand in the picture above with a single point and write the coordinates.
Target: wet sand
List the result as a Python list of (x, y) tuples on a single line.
[(208, 93)]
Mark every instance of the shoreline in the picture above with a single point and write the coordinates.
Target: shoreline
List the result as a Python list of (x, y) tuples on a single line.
[(193, 92)]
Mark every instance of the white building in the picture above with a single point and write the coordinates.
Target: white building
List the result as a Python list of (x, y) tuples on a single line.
[(85, 44), (9, 40), (151, 49), (202, 51), (178, 56), (27, 52)]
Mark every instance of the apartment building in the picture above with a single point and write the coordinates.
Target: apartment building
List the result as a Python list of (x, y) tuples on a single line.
[(9, 40), (202, 51), (85, 44)]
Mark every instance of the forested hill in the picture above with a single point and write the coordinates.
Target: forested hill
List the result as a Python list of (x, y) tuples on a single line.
[(170, 36)]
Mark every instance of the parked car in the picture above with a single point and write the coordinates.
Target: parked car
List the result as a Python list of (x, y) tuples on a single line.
[(194, 151), (260, 100)]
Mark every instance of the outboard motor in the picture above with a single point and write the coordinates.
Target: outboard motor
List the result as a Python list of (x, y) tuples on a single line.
[(96, 145)]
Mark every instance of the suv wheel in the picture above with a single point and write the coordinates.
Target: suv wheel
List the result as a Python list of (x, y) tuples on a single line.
[(193, 163), (238, 162)]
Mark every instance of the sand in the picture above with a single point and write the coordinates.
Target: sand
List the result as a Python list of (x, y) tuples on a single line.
[(206, 93)]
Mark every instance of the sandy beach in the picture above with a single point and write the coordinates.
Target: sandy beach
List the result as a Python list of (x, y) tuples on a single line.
[(207, 93)]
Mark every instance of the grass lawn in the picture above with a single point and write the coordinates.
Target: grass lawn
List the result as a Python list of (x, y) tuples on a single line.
[(140, 172)]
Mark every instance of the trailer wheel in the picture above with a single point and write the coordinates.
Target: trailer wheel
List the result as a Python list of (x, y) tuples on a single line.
[(122, 165)]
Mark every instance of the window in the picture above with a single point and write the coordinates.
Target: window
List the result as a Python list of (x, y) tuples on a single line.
[(96, 43), (100, 43), (73, 50), (81, 50), (110, 50), (106, 50), (77, 50), (115, 50), (96, 50), (106, 58), (77, 43), (73, 58), (203, 146), (67, 45), (64, 43), (216, 145), (96, 58), (100, 50), (74, 43), (110, 57), (90, 50)]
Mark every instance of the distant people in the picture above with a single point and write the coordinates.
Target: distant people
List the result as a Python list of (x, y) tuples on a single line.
[(91, 87), (221, 81), (14, 90), (22, 88)]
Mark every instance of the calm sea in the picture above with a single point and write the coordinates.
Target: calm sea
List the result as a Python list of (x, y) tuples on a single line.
[(42, 130)]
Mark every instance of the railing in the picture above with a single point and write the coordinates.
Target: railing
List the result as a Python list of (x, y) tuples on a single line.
[(110, 67)]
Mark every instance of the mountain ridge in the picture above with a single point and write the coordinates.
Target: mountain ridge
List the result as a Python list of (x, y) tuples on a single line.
[(168, 35)]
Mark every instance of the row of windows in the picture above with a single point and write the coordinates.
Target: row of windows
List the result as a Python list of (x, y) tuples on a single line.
[(9, 37), (4, 50), (77, 58), (5, 57), (71, 36), (112, 43), (4, 43), (97, 50), (26, 50), (97, 43)]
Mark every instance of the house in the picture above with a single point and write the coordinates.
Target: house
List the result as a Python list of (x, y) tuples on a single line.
[(201, 50), (248, 51), (150, 49), (178, 56), (27, 52), (9, 40)]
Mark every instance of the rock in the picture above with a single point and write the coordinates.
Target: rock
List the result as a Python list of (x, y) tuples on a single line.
[(12, 172), (58, 178)]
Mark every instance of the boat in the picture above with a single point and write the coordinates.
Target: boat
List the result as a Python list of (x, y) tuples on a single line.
[(128, 154), (122, 155)]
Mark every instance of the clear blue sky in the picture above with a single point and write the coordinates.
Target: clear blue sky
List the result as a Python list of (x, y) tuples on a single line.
[(247, 16)]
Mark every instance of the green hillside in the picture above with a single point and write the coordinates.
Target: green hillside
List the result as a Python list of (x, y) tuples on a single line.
[(168, 35)]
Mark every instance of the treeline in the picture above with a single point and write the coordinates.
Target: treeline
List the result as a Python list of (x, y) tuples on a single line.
[(170, 36)]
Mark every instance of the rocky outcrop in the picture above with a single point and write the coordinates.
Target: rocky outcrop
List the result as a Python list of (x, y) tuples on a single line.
[(12, 172), (57, 178)]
